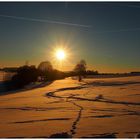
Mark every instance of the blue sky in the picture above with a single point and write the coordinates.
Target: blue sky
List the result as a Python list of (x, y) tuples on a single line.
[(106, 35)]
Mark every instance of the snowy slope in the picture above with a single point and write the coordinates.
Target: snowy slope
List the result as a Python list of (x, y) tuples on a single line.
[(92, 108)]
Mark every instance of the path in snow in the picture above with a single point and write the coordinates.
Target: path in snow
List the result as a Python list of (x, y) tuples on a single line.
[(91, 109)]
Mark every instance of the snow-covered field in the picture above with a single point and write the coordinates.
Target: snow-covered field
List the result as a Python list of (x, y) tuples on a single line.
[(105, 107)]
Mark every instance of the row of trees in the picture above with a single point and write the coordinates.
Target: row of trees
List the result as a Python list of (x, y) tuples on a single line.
[(45, 72)]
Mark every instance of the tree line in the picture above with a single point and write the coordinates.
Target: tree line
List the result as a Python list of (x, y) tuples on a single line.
[(45, 72)]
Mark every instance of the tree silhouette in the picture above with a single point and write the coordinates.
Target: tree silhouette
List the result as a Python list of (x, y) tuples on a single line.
[(45, 68), (24, 76), (80, 69)]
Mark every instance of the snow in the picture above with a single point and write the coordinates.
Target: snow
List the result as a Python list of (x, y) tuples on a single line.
[(95, 107)]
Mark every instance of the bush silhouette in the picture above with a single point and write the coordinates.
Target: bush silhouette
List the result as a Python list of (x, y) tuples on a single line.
[(24, 76), (61, 135), (92, 72), (47, 73)]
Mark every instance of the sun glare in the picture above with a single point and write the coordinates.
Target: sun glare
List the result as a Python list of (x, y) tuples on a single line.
[(60, 54)]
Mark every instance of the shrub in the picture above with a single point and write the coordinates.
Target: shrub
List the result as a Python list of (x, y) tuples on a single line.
[(24, 76)]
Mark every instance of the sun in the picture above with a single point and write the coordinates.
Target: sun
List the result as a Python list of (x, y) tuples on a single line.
[(60, 54)]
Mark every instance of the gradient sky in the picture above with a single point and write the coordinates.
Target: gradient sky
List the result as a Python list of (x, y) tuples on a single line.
[(106, 35)]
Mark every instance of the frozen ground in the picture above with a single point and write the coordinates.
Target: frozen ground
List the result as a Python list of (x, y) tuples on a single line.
[(108, 107)]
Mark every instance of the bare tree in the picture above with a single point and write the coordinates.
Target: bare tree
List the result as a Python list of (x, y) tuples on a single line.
[(80, 69)]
